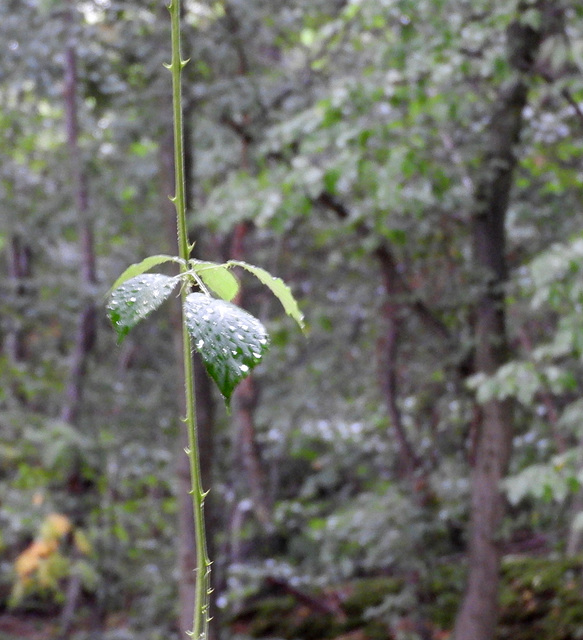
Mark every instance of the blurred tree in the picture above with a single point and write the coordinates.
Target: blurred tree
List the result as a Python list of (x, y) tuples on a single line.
[(355, 144)]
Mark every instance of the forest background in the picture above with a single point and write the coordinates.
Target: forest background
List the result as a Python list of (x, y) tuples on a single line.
[(413, 170)]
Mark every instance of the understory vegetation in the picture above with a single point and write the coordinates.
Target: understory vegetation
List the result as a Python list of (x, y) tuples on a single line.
[(412, 170)]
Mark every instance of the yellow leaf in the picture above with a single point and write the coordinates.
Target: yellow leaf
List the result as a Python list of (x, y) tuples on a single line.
[(55, 526), (28, 561)]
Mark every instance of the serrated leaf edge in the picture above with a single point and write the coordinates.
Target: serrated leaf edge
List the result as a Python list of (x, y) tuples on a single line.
[(122, 334), (250, 366), (291, 308)]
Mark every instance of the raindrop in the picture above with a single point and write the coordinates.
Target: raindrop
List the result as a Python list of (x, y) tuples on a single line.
[(244, 368), (200, 344)]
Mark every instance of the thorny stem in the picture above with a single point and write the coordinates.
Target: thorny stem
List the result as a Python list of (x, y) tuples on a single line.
[(203, 564)]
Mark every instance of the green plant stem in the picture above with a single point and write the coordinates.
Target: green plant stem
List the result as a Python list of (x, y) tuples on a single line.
[(203, 565)]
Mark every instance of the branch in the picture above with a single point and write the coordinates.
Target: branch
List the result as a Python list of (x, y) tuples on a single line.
[(236, 127), (315, 604), (387, 260), (569, 98)]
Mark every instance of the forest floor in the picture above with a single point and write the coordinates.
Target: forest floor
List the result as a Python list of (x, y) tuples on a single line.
[(26, 627), (541, 598)]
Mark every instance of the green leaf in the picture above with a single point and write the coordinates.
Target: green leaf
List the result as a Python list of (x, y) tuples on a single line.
[(279, 289), (217, 278), (141, 267), (136, 298), (230, 340)]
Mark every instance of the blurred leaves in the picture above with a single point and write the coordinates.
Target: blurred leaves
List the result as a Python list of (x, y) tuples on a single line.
[(381, 108)]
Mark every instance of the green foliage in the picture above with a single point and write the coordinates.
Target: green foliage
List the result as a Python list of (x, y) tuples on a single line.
[(137, 269), (230, 340), (555, 480), (539, 599), (551, 284), (378, 107), (523, 381), (217, 278), (136, 298), (277, 286)]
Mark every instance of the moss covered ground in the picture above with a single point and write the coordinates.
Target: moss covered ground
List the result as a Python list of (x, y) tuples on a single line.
[(541, 599)]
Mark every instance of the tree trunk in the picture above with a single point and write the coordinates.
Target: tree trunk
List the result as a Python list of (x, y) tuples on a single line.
[(19, 271), (86, 332), (87, 322), (246, 396), (478, 614), (388, 348)]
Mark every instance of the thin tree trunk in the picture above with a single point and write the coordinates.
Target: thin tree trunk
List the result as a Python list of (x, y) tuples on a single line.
[(478, 613), (19, 270), (245, 397), (247, 393), (398, 297), (575, 539), (388, 374), (87, 322), (86, 332), (14, 342)]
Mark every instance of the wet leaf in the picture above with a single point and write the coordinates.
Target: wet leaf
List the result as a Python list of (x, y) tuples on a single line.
[(217, 278), (278, 287), (141, 267), (136, 298), (230, 340)]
